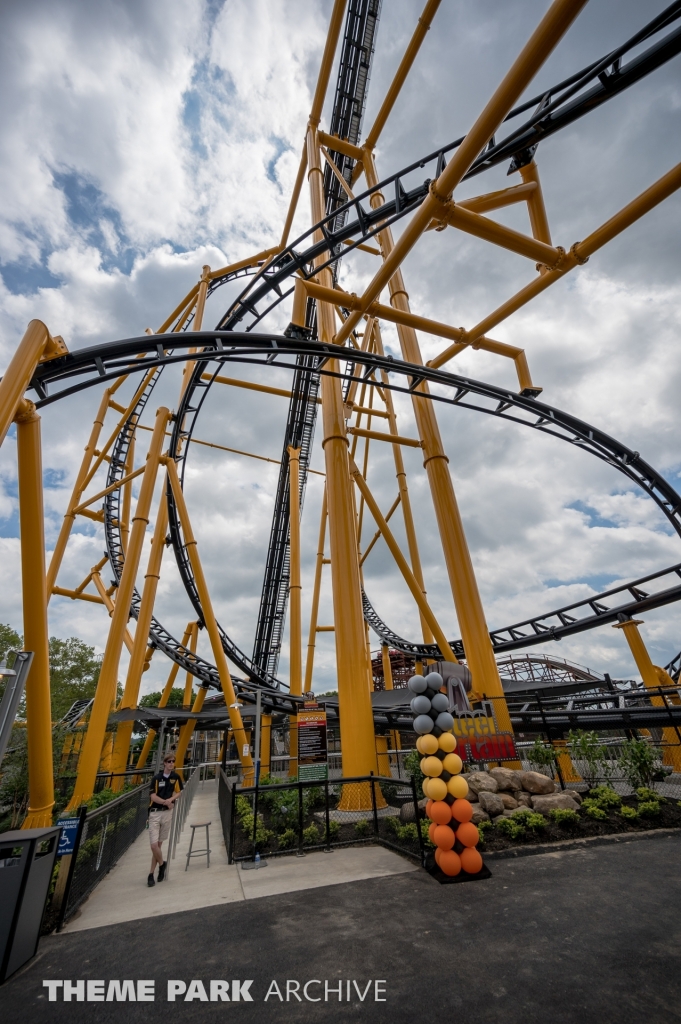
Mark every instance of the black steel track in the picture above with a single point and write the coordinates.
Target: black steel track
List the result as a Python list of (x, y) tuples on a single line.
[(106, 362), (346, 121)]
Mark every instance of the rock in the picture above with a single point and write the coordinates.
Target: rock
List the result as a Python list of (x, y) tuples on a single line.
[(509, 803), (491, 802), (507, 780), (481, 782), (523, 799), (546, 803), (479, 815), (535, 782), (407, 812), (575, 795)]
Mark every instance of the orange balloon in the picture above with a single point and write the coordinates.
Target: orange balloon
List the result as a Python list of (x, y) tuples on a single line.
[(471, 861), (443, 837), (428, 806), (438, 854), (450, 862), (468, 834), (439, 812), (431, 829), (462, 810)]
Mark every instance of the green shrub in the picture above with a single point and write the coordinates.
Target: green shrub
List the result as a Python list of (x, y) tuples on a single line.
[(564, 816), (585, 747), (510, 828), (412, 768), (334, 829), (639, 762), (311, 834), (594, 811), (628, 812), (287, 839), (649, 808), (541, 755), (531, 819), (605, 796), (644, 793), (483, 828), (393, 824), (362, 827)]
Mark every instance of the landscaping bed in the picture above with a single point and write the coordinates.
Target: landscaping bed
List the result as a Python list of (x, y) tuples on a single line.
[(618, 815)]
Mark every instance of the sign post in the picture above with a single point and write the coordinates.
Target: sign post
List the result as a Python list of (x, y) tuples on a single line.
[(313, 760)]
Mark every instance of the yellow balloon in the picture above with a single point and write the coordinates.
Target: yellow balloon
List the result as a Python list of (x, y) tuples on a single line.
[(431, 766), (453, 764), (447, 742), (424, 787), (426, 744), (457, 787), (437, 789)]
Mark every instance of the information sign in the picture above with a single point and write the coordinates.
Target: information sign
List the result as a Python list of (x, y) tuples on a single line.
[(312, 750)]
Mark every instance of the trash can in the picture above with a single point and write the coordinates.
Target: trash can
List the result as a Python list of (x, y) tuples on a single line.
[(26, 863)]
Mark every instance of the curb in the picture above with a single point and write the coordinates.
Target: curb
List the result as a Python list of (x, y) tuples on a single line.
[(578, 844)]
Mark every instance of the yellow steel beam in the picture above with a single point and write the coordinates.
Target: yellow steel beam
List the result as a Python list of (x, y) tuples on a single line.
[(387, 667), (539, 221), (108, 676), (295, 589), (295, 196), (107, 490), (552, 27), (356, 718), (578, 255), (250, 386), (36, 346), (314, 611), (337, 174), (249, 261), (375, 537), (165, 696), (339, 145), (402, 72), (407, 574), (491, 231), (498, 200), (377, 435), (34, 597), (76, 595), (186, 301), (126, 503), (210, 621), (189, 678), (332, 37)]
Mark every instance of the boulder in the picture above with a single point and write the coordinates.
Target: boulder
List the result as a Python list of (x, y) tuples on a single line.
[(546, 803), (481, 782), (524, 799), (575, 795), (507, 780), (509, 802), (491, 802), (479, 815), (407, 812), (535, 782)]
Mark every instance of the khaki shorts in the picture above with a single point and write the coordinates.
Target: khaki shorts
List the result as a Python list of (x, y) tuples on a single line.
[(159, 826)]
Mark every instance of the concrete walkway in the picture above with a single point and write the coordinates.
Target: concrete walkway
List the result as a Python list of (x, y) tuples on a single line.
[(125, 896)]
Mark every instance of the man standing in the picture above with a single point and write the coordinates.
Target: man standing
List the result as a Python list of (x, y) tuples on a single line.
[(166, 786)]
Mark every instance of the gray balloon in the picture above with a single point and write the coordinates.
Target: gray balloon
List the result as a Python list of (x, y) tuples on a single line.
[(420, 705), (434, 680), (423, 724), (440, 702), (417, 684), (444, 721)]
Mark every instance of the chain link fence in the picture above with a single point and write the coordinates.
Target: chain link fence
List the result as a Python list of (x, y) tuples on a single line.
[(299, 817)]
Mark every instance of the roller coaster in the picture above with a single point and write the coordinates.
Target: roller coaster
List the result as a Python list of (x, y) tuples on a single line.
[(334, 354)]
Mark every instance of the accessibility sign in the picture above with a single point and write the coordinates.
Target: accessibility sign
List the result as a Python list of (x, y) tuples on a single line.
[(69, 831)]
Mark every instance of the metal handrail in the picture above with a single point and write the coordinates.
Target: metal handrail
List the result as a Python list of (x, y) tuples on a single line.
[(182, 806)]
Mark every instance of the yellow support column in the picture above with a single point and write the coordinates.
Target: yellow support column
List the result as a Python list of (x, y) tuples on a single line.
[(36, 345), (265, 744), (34, 595), (211, 626), (189, 678), (108, 676), (165, 696), (651, 681), (314, 612), (295, 591), (356, 719), (382, 756), (139, 648), (469, 610), (187, 730)]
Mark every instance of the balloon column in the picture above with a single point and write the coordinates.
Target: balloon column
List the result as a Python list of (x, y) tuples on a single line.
[(453, 833)]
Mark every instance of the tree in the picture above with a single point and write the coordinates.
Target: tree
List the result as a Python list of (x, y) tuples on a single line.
[(74, 671), (176, 699), (9, 641)]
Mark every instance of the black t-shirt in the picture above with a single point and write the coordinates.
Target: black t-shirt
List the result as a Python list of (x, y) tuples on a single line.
[(165, 788)]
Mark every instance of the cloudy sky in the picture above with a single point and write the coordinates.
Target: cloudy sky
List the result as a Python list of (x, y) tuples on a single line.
[(141, 140)]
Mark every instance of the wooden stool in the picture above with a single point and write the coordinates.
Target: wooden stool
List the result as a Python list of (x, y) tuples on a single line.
[(199, 853)]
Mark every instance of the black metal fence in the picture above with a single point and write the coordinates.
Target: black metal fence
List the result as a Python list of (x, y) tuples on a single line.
[(299, 817), (107, 833)]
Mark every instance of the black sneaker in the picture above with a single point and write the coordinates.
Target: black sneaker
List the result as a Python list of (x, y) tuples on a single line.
[(150, 880), (162, 871)]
